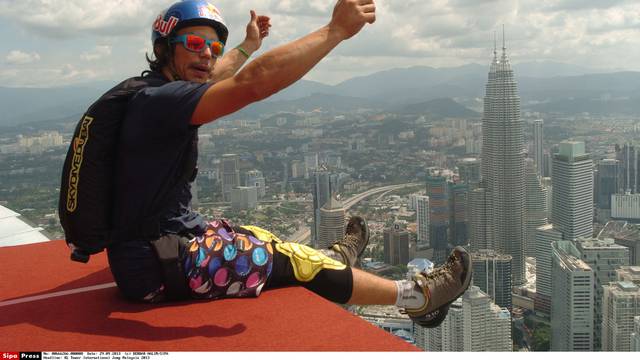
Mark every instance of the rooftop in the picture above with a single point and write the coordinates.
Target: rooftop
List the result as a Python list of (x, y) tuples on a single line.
[(59, 305), (15, 231)]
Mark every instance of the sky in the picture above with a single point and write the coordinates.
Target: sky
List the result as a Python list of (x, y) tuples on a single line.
[(48, 43)]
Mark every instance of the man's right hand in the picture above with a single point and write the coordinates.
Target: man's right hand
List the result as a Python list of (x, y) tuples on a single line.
[(349, 16)]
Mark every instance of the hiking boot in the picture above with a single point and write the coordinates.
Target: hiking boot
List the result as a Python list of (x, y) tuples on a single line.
[(349, 249), (441, 287)]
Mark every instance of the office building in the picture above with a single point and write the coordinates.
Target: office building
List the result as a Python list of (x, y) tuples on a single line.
[(572, 210), (607, 182), (604, 257), (628, 156), (438, 217), (321, 192), (256, 179), (230, 174), (422, 222), (625, 207), (458, 224), (469, 171), (396, 245), (332, 223), (244, 198), (621, 303), (572, 299), (479, 229), (492, 275), (536, 207), (635, 335), (474, 323), (545, 236)]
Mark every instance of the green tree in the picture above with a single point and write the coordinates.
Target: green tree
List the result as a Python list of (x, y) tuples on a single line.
[(542, 338)]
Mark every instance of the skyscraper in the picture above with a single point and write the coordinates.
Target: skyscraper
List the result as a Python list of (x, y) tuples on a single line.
[(469, 171), (479, 229), (572, 209), (438, 216), (538, 147), (244, 198), (545, 235), (321, 193), (492, 274), (396, 245), (503, 163), (230, 174), (572, 300), (628, 156), (422, 220), (331, 223), (474, 323), (607, 182), (635, 335), (255, 178), (536, 206), (621, 303), (604, 257), (458, 224)]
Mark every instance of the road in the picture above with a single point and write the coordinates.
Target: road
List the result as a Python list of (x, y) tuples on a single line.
[(303, 234)]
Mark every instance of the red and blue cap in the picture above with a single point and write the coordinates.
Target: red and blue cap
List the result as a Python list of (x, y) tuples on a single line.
[(188, 13)]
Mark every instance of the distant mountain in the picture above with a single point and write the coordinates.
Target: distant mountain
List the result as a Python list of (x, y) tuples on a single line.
[(324, 102), (408, 85), (22, 105), (544, 86), (443, 108), (549, 69), (628, 106), (301, 89)]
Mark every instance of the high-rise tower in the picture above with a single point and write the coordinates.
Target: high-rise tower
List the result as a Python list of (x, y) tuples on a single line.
[(503, 163), (230, 174), (572, 210), (538, 146), (536, 206)]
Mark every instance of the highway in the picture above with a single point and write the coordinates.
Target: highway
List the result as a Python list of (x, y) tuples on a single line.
[(303, 234)]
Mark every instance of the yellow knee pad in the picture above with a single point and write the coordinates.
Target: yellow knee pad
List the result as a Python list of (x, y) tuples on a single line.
[(262, 234), (306, 261)]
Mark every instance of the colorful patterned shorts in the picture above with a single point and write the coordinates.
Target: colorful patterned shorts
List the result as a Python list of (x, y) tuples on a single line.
[(223, 263)]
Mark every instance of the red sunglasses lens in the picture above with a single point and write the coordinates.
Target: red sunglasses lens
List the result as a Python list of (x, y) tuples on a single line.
[(216, 48), (195, 42)]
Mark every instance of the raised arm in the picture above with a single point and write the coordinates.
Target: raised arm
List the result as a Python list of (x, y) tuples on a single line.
[(230, 63), (282, 66)]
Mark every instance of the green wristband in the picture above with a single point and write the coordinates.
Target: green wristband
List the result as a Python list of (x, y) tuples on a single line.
[(243, 51)]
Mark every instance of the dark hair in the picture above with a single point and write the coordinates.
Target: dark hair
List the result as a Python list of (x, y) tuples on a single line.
[(162, 53)]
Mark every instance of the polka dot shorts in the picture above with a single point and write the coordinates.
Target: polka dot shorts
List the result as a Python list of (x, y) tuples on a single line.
[(222, 263)]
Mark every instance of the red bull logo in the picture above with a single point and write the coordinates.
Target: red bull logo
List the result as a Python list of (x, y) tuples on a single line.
[(165, 27)]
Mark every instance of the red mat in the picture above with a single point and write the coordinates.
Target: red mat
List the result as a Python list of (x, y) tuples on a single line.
[(291, 319)]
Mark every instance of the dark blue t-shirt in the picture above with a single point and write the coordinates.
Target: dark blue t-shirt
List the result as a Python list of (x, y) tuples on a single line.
[(156, 160)]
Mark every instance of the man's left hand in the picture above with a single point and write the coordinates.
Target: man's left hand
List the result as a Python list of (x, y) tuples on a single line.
[(257, 29)]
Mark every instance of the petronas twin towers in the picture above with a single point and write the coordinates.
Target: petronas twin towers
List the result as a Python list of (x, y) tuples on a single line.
[(503, 165)]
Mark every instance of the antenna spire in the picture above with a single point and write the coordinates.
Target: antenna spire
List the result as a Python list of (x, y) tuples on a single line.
[(495, 44), (504, 46)]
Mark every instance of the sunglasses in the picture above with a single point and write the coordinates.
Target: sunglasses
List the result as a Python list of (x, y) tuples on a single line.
[(196, 43)]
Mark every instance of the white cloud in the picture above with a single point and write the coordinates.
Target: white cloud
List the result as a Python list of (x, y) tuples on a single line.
[(17, 57), (596, 33), (100, 51)]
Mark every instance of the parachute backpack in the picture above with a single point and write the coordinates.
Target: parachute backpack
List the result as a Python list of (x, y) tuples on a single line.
[(87, 188)]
